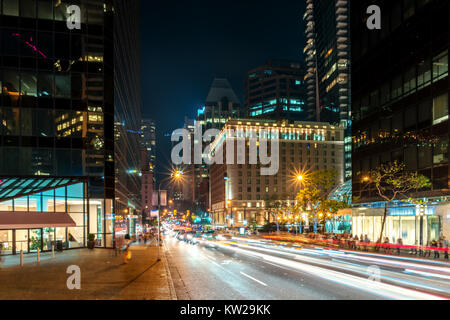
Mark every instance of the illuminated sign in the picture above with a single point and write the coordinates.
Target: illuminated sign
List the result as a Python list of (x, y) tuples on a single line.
[(411, 211)]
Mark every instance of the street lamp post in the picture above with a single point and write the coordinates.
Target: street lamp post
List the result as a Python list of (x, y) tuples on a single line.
[(159, 217), (177, 175)]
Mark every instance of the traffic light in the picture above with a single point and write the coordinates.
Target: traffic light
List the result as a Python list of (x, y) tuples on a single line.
[(187, 212), (175, 212)]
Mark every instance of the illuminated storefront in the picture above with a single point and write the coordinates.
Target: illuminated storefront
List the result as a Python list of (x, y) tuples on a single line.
[(413, 224), (38, 212)]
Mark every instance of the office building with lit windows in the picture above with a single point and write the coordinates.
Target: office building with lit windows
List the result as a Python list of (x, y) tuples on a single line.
[(148, 142), (327, 58), (57, 105), (277, 90), (400, 89), (239, 193), (220, 104)]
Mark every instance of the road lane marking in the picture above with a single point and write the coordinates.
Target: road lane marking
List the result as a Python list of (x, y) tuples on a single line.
[(256, 280), (383, 289)]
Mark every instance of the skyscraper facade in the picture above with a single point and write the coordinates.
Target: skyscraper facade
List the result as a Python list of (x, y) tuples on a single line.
[(57, 111), (400, 89), (148, 142), (63, 120), (220, 104), (327, 55), (127, 113), (277, 91)]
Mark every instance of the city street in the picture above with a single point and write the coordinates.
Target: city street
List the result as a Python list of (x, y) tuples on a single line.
[(239, 269)]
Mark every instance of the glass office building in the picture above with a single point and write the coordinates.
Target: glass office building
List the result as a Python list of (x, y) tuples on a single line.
[(400, 89), (276, 90), (40, 212), (57, 117), (327, 57)]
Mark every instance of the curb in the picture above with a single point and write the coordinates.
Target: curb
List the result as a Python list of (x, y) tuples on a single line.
[(173, 295)]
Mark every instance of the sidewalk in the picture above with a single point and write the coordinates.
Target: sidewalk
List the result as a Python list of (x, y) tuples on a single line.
[(103, 276), (322, 243)]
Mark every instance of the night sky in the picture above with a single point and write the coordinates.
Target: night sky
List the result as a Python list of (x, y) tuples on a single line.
[(185, 44)]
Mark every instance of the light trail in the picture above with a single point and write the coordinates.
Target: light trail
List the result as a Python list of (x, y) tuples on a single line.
[(344, 265), (377, 288), (254, 279)]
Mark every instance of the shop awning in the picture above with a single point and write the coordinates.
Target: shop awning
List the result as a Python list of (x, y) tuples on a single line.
[(34, 220), (11, 188)]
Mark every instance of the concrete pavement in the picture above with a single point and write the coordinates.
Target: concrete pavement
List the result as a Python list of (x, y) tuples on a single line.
[(103, 276)]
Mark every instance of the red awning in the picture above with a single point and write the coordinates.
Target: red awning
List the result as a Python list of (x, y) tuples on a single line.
[(34, 220)]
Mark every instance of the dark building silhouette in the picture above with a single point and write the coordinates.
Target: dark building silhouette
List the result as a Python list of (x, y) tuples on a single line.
[(58, 110), (400, 89), (277, 90)]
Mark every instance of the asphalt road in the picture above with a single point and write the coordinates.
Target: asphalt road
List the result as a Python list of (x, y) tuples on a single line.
[(243, 269)]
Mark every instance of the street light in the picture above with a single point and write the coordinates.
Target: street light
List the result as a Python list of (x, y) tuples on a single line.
[(176, 174)]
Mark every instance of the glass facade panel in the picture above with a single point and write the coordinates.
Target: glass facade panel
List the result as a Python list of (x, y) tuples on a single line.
[(440, 108), (75, 190), (60, 205), (35, 240), (75, 237), (6, 242), (6, 205), (76, 205), (11, 7), (48, 238), (22, 240), (440, 66), (28, 84), (408, 229), (45, 9), (45, 85), (21, 204)]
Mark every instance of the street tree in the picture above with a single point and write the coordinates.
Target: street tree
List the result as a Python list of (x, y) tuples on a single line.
[(313, 196), (276, 208), (393, 182)]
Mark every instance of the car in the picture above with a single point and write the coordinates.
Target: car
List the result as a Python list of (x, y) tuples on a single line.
[(208, 235), (180, 235), (196, 238), (223, 236)]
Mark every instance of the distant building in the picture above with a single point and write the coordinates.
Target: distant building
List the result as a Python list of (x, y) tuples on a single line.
[(277, 90), (148, 141), (327, 56), (220, 104), (239, 193), (147, 187)]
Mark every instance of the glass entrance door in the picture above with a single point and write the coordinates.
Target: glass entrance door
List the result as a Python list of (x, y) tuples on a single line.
[(35, 240), (48, 238), (22, 241)]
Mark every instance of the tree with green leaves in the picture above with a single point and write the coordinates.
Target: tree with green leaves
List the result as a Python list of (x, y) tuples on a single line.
[(313, 196), (275, 208), (393, 182)]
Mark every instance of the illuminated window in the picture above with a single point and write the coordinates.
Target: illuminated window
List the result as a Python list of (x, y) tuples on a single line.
[(440, 66), (440, 109)]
